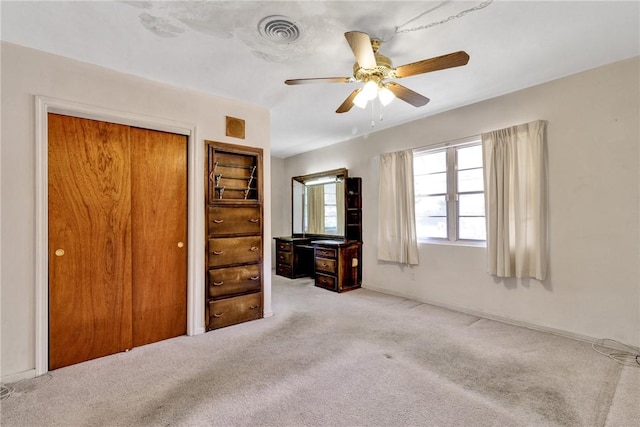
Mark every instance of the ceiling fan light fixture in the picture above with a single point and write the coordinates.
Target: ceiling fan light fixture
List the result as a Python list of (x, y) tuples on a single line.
[(360, 100), (385, 96), (370, 90)]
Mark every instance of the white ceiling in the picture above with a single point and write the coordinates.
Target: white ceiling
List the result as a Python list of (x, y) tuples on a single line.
[(215, 47)]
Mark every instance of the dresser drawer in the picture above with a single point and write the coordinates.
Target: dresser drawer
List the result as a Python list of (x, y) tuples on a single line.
[(233, 219), (234, 310), (284, 246), (234, 250), (234, 280), (326, 265), (327, 282), (325, 253)]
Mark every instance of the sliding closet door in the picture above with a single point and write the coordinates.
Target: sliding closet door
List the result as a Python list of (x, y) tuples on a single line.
[(159, 233), (117, 238), (89, 240)]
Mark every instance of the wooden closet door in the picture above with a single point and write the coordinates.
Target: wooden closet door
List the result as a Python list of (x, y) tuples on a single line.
[(159, 235), (89, 240)]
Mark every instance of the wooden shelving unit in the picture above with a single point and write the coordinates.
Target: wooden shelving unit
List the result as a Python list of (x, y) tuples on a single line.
[(234, 283), (353, 209)]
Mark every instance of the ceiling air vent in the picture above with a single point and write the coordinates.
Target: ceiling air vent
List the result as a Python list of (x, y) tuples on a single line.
[(279, 29)]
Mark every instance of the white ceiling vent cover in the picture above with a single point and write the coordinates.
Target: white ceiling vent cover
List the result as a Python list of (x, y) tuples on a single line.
[(279, 29)]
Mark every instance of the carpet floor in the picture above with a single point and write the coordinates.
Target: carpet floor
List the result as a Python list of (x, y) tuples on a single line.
[(356, 359)]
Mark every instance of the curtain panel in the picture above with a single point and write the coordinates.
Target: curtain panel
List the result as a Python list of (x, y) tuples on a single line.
[(515, 180), (397, 239), (315, 202)]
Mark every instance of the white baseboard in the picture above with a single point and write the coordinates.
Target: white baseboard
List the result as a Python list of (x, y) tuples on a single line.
[(497, 318), (19, 376), (199, 330)]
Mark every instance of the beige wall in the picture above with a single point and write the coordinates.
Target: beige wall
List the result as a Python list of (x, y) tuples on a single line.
[(27, 73), (280, 203), (593, 288)]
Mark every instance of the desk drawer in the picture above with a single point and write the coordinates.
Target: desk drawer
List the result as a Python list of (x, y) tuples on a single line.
[(325, 253), (284, 270), (327, 282), (234, 310), (283, 257), (234, 250), (326, 265), (284, 246), (234, 280)]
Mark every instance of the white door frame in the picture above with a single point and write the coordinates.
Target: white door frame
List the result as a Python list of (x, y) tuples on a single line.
[(45, 105)]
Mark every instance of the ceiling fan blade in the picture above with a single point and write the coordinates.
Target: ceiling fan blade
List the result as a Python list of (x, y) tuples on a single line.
[(348, 103), (319, 80), (361, 46), (450, 60), (407, 95)]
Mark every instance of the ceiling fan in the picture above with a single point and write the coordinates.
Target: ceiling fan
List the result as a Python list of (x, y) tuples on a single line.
[(373, 69)]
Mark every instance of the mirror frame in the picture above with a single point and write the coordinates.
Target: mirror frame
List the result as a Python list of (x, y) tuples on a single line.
[(303, 179)]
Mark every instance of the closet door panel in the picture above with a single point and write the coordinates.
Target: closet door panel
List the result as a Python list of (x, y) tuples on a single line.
[(159, 235), (89, 240)]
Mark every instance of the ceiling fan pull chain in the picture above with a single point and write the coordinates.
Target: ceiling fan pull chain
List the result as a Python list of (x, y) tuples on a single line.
[(450, 18), (373, 122)]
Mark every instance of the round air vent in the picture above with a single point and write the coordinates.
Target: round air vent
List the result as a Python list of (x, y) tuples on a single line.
[(279, 29)]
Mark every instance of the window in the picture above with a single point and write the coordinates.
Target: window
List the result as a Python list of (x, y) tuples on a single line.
[(330, 209), (449, 193)]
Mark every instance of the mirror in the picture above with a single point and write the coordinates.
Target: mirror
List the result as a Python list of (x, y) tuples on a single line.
[(318, 204)]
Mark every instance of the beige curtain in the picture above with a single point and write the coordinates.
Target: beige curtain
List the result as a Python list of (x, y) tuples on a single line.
[(315, 203), (397, 239), (515, 192)]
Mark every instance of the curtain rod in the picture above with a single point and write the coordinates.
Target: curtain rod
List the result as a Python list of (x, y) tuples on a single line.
[(459, 141)]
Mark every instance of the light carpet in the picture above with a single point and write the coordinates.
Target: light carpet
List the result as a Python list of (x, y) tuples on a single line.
[(360, 358)]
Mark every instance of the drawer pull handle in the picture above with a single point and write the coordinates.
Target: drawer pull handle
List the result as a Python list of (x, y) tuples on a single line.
[(324, 264), (254, 220), (253, 248), (218, 221), (217, 283), (217, 316), (218, 252), (253, 307), (254, 278)]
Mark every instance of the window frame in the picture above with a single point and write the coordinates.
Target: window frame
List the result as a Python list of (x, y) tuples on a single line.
[(452, 193)]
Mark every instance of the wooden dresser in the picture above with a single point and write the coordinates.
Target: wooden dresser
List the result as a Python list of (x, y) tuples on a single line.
[(233, 283)]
